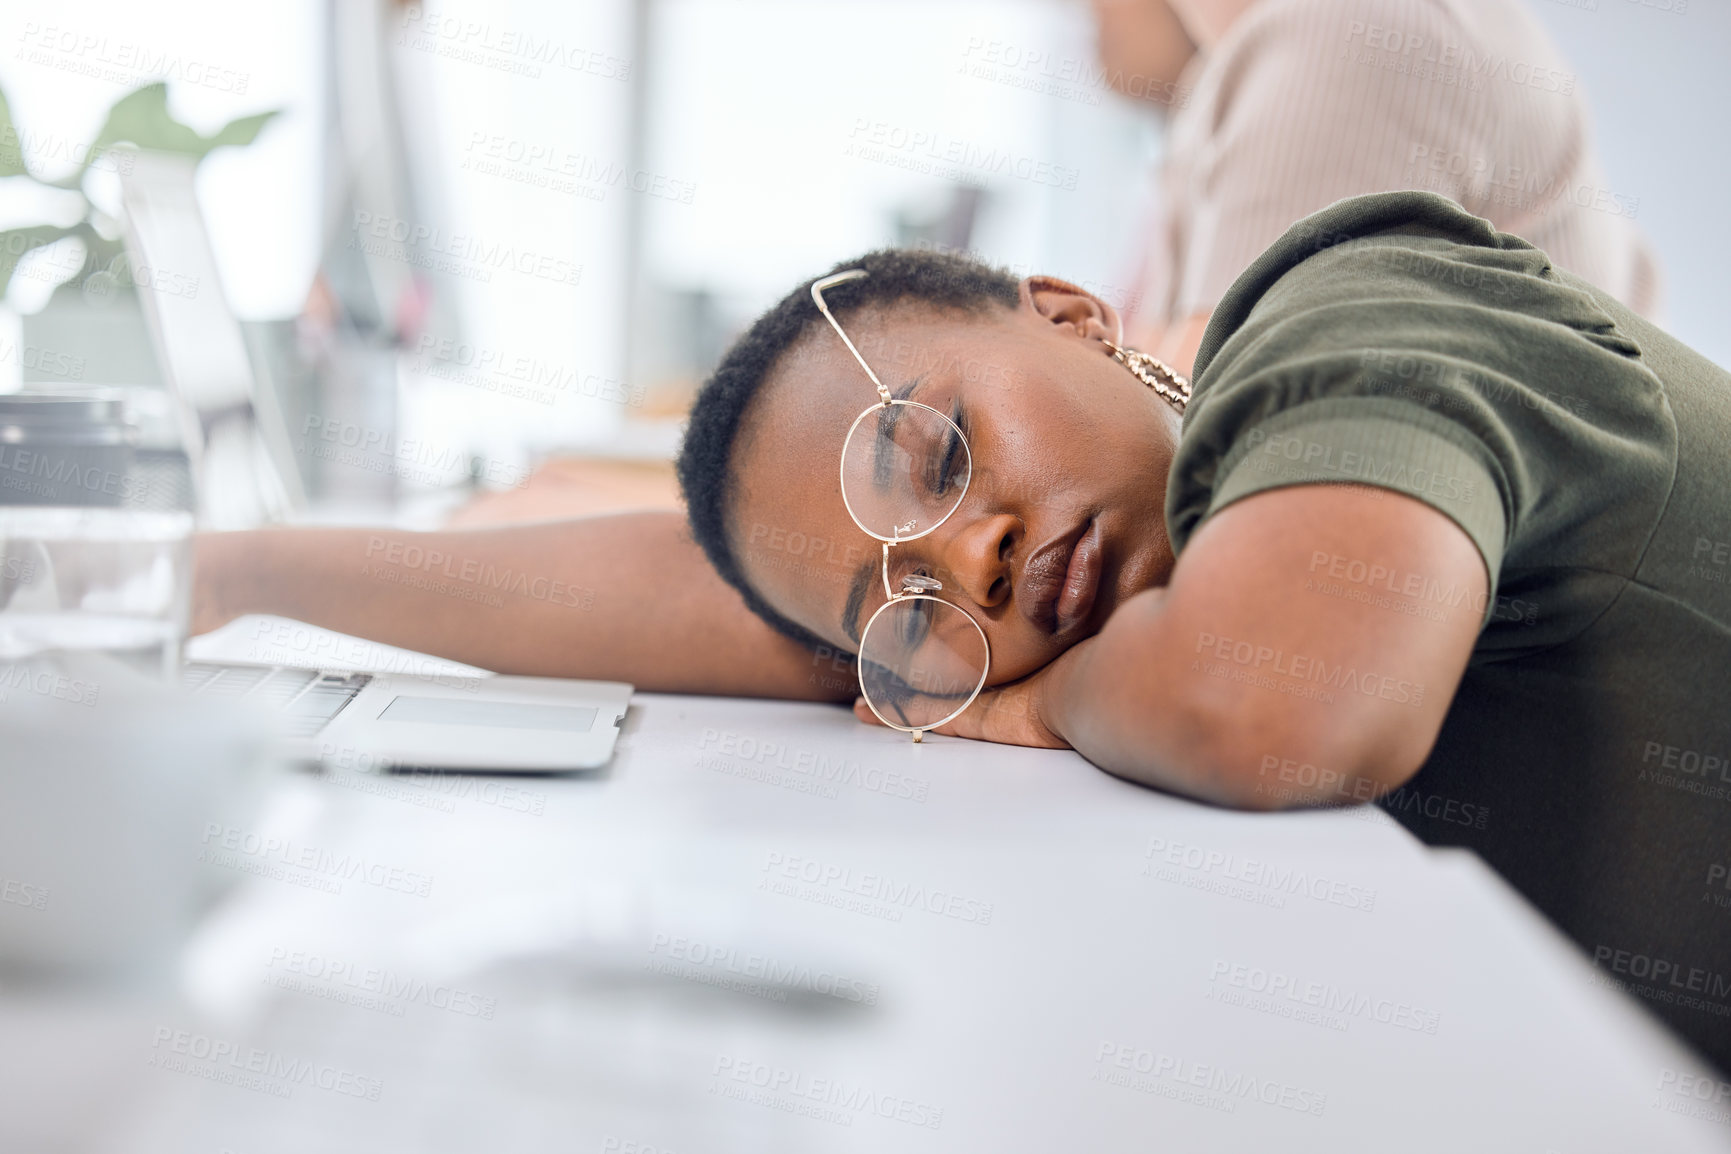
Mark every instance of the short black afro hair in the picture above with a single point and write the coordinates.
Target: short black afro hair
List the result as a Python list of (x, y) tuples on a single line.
[(944, 280)]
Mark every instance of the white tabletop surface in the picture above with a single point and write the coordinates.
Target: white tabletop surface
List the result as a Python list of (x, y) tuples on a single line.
[(767, 927)]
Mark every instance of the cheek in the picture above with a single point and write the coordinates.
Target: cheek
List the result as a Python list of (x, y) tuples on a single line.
[(805, 576)]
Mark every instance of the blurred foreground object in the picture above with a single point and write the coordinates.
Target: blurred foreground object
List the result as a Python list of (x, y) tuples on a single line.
[(109, 783)]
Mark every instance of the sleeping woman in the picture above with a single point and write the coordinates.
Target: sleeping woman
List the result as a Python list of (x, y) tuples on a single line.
[(1438, 527)]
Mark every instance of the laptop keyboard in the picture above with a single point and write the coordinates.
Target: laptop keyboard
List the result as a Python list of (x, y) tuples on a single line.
[(310, 698)]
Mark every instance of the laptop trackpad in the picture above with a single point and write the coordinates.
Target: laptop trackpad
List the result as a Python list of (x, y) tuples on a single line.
[(495, 714)]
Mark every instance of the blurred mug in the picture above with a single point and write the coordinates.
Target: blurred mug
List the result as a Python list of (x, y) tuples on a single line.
[(108, 782)]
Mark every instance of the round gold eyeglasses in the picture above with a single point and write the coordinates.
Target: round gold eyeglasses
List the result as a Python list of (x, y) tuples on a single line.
[(905, 468)]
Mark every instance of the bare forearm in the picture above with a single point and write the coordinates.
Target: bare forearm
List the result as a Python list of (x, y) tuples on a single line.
[(1120, 707), (1241, 666), (628, 597)]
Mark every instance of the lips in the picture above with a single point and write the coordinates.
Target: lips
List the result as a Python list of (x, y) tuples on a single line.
[(1060, 579), (1081, 581)]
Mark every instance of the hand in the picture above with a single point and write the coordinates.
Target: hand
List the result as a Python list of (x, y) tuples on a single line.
[(1015, 713)]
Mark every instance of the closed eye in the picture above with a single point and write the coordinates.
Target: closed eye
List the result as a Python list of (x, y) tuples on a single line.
[(949, 468)]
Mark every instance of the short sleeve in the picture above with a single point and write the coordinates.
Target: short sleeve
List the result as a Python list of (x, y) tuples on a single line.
[(1376, 441), (1396, 341)]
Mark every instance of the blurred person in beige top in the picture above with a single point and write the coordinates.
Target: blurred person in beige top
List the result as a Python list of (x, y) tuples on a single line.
[(1282, 107)]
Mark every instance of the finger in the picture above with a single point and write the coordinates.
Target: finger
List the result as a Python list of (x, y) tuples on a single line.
[(971, 724), (1004, 716), (864, 712)]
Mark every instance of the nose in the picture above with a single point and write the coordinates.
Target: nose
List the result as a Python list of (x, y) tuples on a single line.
[(976, 557)]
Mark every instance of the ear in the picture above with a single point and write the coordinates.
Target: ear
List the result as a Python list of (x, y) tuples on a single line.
[(1062, 303)]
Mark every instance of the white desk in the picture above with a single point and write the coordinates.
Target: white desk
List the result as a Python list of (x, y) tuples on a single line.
[(690, 953)]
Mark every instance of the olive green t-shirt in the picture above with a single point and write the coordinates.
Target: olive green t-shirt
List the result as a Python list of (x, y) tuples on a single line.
[(1397, 341)]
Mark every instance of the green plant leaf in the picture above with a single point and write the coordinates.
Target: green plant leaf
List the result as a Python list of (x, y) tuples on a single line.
[(141, 118), (241, 132), (11, 147)]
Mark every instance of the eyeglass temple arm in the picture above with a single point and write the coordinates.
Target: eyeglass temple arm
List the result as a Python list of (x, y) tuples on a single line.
[(817, 288)]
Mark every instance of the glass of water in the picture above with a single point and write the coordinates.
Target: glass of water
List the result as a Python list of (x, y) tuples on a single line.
[(95, 539), (116, 580)]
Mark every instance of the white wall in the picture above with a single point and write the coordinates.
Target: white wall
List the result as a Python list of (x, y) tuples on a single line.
[(1659, 82), (807, 125)]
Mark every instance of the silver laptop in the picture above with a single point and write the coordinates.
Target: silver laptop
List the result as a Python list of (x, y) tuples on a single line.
[(244, 473), (392, 721), (243, 467)]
